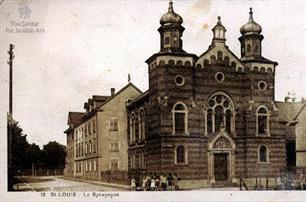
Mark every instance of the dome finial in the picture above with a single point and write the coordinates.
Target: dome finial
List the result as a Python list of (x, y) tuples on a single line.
[(171, 17), (251, 15), (251, 26), (170, 9), (219, 20)]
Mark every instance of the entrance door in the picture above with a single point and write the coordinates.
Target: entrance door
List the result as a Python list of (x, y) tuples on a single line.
[(220, 166)]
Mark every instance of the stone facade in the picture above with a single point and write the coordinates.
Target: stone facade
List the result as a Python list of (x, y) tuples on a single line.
[(210, 119)]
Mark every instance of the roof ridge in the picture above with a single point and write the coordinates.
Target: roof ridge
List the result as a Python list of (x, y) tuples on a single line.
[(300, 111)]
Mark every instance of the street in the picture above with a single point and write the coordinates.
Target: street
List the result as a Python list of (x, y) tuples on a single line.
[(55, 183)]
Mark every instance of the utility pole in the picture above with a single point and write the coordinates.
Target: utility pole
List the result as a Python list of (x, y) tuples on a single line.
[(10, 62), (10, 120)]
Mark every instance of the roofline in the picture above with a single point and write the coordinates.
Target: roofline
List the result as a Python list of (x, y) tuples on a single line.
[(195, 57), (298, 114), (122, 89), (67, 130), (264, 62), (83, 113), (227, 48), (146, 93), (93, 112)]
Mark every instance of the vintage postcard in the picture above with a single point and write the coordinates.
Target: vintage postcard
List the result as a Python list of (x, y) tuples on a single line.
[(183, 100)]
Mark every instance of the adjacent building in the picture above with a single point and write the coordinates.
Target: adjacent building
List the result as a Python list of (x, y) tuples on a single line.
[(293, 116), (97, 139), (73, 119)]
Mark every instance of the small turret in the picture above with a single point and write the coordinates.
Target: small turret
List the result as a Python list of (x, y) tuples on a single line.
[(171, 31)]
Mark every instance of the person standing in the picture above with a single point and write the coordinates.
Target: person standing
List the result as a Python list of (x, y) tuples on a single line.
[(144, 182), (133, 184), (175, 182), (153, 184), (163, 182), (170, 182)]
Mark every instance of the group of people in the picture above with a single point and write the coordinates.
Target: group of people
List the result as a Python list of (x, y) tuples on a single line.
[(153, 182)]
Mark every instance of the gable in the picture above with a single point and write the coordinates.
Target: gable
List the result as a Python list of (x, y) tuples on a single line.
[(130, 91), (220, 52)]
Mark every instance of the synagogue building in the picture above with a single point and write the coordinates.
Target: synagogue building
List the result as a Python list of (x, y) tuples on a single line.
[(212, 119)]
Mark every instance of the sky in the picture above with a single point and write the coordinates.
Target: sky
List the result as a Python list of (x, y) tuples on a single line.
[(75, 49)]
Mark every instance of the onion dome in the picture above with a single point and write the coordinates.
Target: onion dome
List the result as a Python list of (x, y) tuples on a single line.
[(251, 27), (171, 17)]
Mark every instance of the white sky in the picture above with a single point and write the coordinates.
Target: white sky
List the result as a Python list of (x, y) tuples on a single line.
[(90, 46)]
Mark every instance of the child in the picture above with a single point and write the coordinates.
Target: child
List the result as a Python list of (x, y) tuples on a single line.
[(133, 184), (153, 185)]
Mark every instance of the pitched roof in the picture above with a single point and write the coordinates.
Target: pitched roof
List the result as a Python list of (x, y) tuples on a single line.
[(257, 59), (75, 117), (297, 115), (110, 98), (289, 111), (122, 89), (141, 97)]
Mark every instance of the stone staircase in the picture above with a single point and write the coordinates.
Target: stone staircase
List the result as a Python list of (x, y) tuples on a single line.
[(220, 184)]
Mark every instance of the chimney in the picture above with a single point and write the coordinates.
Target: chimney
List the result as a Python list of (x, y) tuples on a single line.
[(112, 91)]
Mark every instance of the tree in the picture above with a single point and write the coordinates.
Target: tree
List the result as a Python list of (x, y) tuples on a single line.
[(19, 146), (53, 155), (33, 154)]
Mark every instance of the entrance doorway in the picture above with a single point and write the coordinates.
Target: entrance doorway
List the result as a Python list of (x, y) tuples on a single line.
[(220, 166)]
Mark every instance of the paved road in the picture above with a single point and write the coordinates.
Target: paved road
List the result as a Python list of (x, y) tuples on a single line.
[(51, 183)]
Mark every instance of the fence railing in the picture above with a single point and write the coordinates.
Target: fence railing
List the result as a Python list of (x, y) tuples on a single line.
[(39, 172)]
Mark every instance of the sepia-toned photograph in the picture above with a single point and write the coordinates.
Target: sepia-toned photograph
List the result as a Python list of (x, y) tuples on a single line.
[(142, 100)]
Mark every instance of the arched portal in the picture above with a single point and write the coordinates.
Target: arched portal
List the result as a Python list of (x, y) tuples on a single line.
[(221, 159)]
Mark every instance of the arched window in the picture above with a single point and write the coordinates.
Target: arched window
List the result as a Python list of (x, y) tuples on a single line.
[(132, 128), (219, 54), (263, 154), (180, 119), (220, 113), (213, 59), (226, 60), (248, 48), (256, 48), (262, 121), (218, 117), (180, 155), (141, 125)]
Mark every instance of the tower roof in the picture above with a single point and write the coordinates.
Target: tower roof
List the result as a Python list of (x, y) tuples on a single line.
[(171, 17), (251, 27), (219, 25)]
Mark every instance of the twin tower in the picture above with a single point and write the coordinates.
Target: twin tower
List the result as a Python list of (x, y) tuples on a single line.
[(209, 118)]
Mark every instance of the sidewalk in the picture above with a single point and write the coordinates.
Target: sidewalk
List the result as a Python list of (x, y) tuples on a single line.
[(97, 182)]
